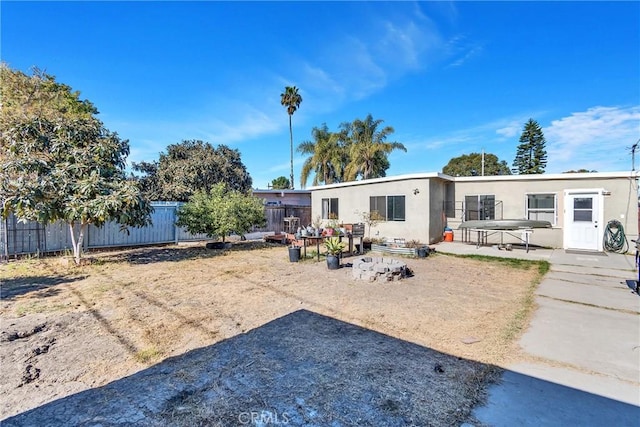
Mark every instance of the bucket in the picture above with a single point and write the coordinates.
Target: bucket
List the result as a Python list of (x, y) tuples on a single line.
[(448, 236), (294, 254)]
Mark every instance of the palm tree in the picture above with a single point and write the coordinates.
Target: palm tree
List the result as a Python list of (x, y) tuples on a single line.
[(368, 149), (291, 99), (327, 157)]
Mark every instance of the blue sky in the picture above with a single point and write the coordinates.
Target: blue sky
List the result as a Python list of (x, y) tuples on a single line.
[(451, 77)]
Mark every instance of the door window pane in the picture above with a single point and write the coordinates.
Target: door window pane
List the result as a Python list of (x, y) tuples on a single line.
[(582, 215), (583, 209), (583, 203)]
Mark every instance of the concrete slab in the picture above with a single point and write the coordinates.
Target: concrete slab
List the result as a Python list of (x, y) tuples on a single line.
[(459, 248), (594, 339), (594, 275), (608, 387), (604, 260), (592, 371), (522, 400), (615, 297)]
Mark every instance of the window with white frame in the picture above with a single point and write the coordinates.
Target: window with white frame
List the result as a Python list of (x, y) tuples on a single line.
[(330, 208), (388, 208), (542, 207)]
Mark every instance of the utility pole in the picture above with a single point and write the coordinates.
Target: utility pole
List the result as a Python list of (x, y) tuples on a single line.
[(634, 147), (482, 162)]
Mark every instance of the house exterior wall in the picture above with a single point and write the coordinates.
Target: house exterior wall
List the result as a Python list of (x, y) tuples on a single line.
[(620, 200), (439, 202), (353, 199)]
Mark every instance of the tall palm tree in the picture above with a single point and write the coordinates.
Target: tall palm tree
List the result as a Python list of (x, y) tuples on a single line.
[(291, 100), (327, 157), (368, 149)]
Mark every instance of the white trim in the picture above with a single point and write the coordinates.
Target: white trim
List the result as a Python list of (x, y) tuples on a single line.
[(385, 179), (272, 191), (539, 193), (536, 177)]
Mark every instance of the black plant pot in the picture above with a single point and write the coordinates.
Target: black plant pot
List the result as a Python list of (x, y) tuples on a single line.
[(422, 252), (333, 262), (294, 254)]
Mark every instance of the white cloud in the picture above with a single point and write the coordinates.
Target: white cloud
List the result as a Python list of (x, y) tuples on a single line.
[(361, 61), (598, 138), (511, 130)]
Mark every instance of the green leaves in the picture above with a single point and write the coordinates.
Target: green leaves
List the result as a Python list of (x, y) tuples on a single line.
[(359, 150), (192, 166), (471, 165), (531, 156), (221, 212), (280, 183), (58, 161)]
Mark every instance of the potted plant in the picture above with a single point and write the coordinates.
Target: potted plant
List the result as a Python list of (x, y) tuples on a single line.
[(332, 228), (334, 249), (317, 223)]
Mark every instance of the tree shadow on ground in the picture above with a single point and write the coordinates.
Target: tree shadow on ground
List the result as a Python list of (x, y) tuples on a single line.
[(300, 369), (12, 288), (147, 255)]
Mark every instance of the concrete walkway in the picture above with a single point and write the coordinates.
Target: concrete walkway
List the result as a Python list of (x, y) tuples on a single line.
[(583, 344)]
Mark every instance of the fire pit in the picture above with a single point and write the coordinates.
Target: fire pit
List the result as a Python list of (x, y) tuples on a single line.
[(378, 268)]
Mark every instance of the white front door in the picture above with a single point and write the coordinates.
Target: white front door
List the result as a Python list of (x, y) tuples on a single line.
[(583, 216)]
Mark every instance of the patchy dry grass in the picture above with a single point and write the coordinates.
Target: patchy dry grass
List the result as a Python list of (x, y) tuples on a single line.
[(132, 309)]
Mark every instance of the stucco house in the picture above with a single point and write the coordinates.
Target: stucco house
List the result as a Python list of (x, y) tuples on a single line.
[(420, 206)]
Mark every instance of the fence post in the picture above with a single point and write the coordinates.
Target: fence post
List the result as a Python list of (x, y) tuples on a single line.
[(85, 242), (5, 240), (175, 226)]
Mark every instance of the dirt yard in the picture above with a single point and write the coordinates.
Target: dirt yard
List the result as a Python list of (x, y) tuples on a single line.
[(68, 329)]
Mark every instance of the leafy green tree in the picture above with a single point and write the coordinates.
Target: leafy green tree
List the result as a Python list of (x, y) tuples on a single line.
[(281, 183), (580, 171), (368, 148), (148, 182), (471, 164), (291, 100), (59, 162), (327, 157), (192, 166), (531, 156), (221, 212)]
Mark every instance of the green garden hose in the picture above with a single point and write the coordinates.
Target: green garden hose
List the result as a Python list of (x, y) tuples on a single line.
[(614, 238)]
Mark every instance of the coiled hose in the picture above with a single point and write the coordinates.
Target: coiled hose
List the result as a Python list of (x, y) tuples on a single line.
[(614, 238)]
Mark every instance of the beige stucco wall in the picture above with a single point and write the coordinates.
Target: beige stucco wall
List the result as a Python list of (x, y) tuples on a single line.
[(424, 208), (353, 198), (620, 200)]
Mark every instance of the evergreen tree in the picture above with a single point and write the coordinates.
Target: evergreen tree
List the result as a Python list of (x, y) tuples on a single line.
[(531, 157)]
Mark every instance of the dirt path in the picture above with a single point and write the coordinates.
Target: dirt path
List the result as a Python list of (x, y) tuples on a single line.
[(65, 330)]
